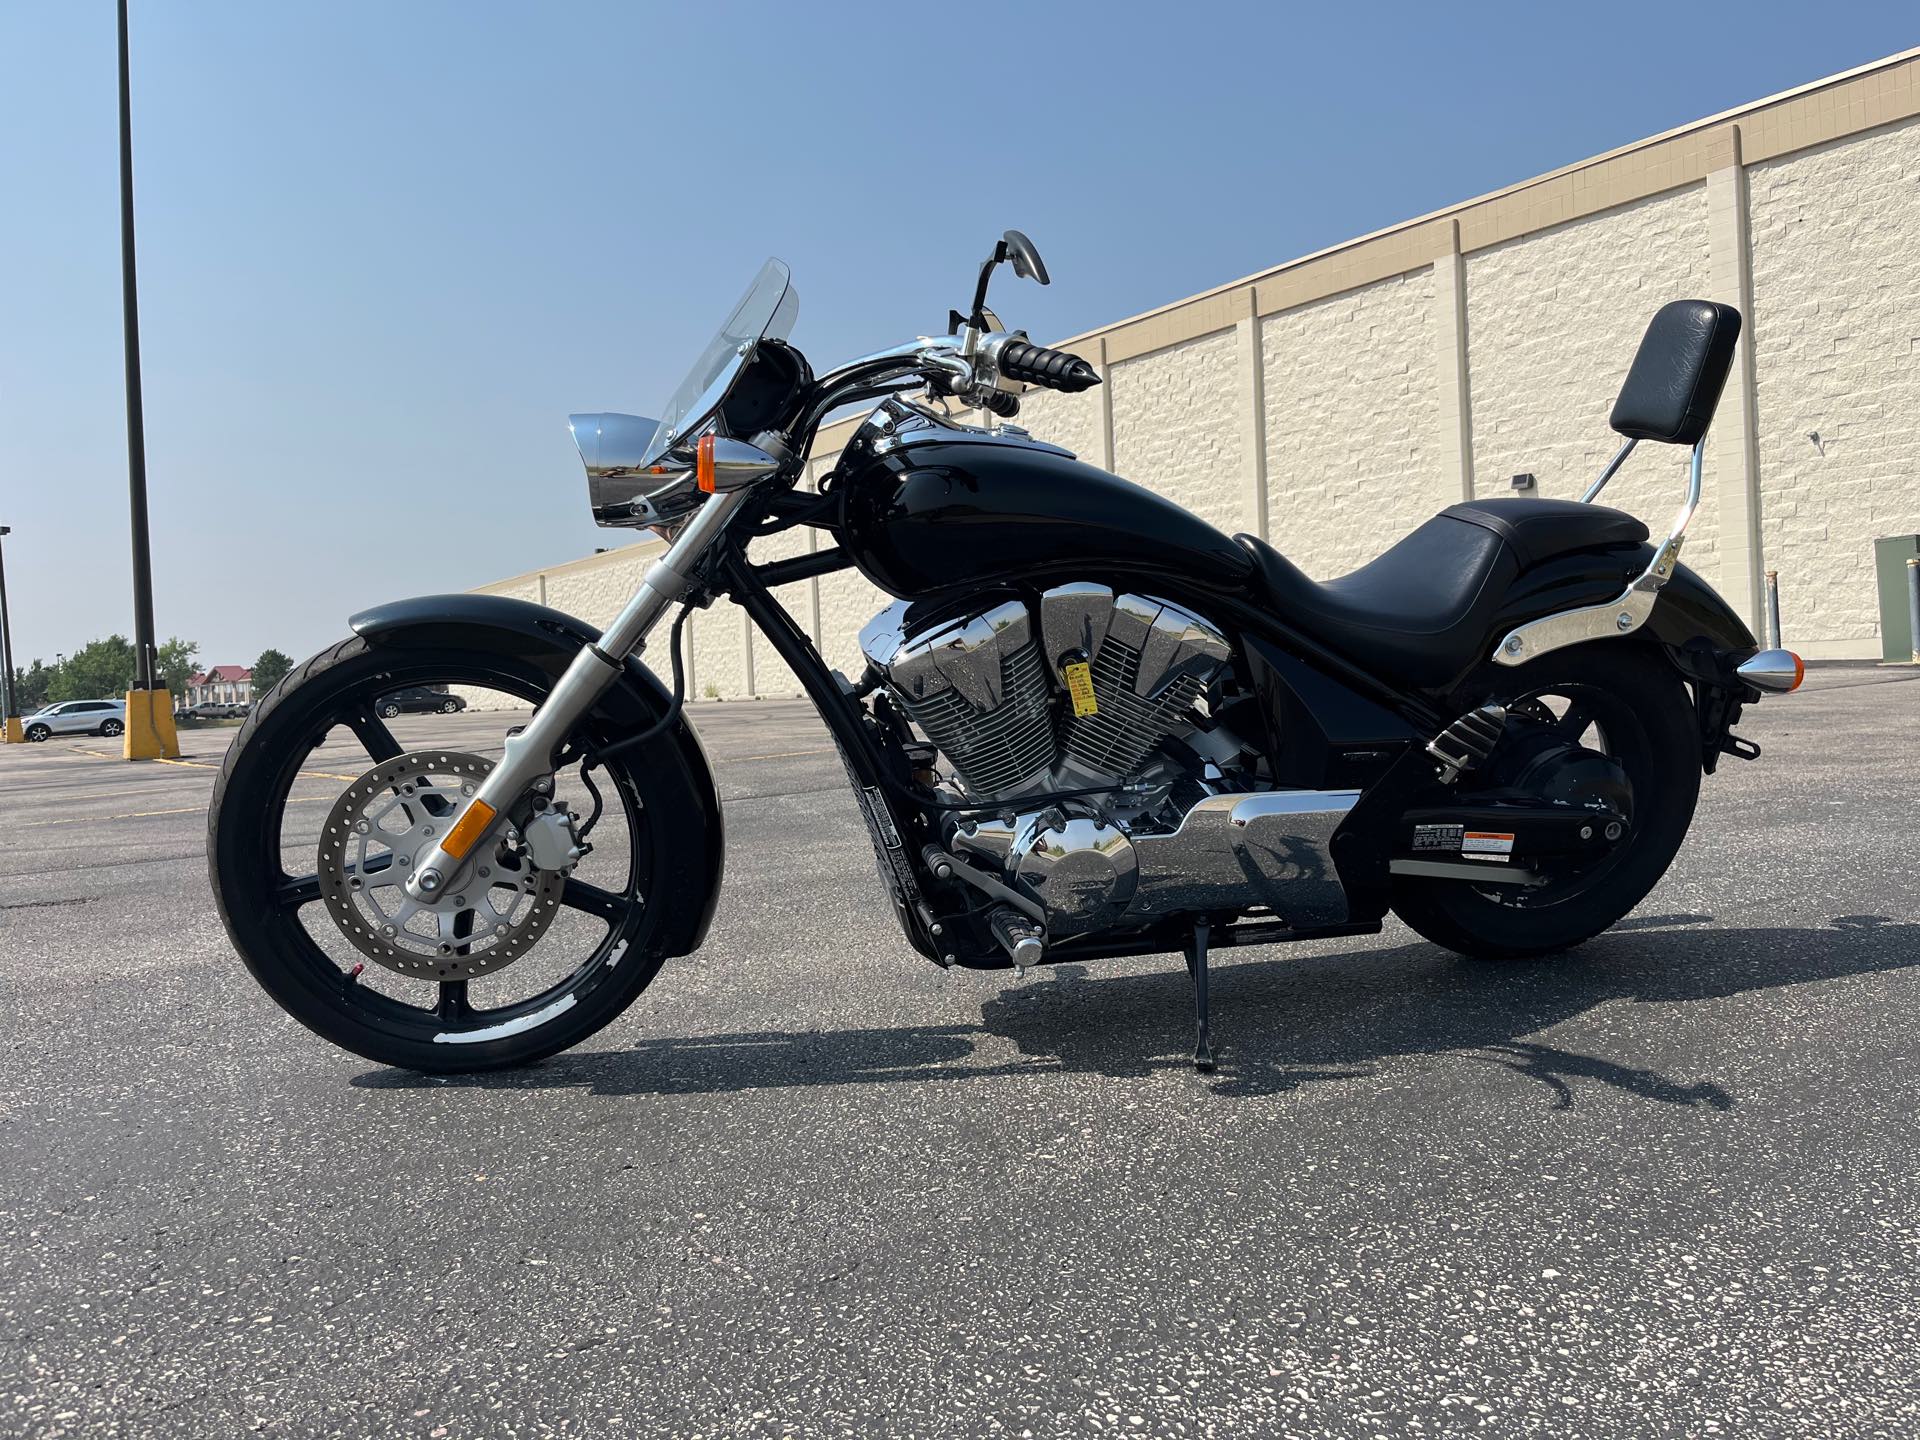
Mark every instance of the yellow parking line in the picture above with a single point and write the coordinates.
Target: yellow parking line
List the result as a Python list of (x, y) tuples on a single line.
[(146, 814), (779, 754), (203, 765)]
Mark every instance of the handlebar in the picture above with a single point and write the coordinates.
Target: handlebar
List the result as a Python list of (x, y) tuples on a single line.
[(1039, 365)]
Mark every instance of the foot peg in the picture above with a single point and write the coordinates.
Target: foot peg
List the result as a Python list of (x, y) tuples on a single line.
[(1468, 741), (1018, 936), (1197, 972)]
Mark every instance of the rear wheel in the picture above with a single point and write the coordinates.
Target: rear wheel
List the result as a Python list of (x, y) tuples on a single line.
[(112, 728), (1565, 710), (318, 804)]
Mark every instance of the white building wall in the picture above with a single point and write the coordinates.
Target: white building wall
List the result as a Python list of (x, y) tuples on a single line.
[(1174, 428), (1553, 321), (1836, 281), (1352, 423)]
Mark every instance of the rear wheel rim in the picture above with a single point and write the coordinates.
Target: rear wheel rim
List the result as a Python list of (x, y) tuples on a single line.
[(1594, 719)]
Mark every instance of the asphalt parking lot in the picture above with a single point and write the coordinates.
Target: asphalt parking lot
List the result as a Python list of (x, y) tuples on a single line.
[(809, 1185)]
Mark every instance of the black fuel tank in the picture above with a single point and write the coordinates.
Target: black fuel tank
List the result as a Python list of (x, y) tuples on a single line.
[(929, 507)]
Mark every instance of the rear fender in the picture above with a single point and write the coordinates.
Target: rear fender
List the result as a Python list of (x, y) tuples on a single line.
[(549, 640), (1690, 623)]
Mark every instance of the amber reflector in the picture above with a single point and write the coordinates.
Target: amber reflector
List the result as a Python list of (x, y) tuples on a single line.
[(467, 829)]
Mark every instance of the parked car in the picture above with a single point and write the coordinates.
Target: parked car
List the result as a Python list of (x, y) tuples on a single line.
[(209, 710), (419, 700), (77, 717)]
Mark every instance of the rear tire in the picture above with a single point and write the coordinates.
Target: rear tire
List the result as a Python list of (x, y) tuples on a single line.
[(1657, 743), (112, 728)]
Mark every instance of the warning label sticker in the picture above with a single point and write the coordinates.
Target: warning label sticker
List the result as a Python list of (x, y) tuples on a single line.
[(1079, 677), (1438, 837), (1492, 845)]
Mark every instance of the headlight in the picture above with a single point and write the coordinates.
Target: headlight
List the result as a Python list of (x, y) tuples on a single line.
[(621, 492)]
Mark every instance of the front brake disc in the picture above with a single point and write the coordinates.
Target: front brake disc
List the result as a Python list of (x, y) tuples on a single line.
[(495, 910)]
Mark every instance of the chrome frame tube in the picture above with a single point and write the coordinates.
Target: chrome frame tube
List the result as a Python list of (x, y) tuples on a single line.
[(1619, 459), (529, 755)]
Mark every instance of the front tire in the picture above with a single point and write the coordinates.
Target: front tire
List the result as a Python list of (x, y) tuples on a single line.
[(39, 733), (260, 902), (1645, 719)]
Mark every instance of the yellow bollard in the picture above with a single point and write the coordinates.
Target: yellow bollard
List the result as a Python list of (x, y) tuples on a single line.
[(15, 735), (150, 733)]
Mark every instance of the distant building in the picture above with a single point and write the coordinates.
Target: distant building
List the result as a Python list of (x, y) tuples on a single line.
[(221, 685)]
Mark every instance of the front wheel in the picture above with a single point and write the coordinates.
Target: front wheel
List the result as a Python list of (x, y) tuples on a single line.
[(313, 818), (37, 733), (1604, 721)]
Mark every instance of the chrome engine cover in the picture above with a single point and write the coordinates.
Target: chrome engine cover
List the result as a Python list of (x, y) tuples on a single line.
[(989, 689), (1081, 868)]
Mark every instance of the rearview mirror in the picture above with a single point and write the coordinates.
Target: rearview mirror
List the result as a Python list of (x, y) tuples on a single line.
[(1027, 263)]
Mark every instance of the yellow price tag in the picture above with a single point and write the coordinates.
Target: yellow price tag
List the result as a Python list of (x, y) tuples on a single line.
[(1079, 678)]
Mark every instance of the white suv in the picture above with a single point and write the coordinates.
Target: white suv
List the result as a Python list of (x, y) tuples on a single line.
[(77, 717)]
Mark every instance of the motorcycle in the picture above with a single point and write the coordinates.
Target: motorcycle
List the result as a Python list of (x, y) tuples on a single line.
[(1090, 725)]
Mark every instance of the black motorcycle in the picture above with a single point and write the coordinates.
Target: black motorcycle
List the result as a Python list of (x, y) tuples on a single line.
[(1091, 726)]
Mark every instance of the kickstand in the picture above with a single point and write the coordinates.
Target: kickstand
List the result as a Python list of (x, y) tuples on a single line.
[(1197, 972)]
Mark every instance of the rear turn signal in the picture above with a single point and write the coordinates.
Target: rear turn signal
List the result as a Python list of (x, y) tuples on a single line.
[(1778, 670)]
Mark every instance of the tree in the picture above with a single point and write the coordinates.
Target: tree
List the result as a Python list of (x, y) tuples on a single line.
[(30, 686), (268, 671), (174, 664), (98, 670)]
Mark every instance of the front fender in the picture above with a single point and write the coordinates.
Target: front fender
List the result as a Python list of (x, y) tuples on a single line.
[(549, 639)]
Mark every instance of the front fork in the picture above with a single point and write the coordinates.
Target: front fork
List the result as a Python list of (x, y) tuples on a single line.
[(529, 754)]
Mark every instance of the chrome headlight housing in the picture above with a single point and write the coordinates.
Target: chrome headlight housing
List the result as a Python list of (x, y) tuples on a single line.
[(623, 491)]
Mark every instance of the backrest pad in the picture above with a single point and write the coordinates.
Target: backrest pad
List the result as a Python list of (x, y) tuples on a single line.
[(1678, 374)]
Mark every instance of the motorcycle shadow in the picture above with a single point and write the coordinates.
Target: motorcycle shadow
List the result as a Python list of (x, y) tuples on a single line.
[(1280, 1022)]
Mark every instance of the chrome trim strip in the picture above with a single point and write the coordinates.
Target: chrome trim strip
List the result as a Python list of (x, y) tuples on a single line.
[(1625, 614)]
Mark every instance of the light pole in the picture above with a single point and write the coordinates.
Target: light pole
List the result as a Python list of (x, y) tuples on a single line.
[(9, 701), (150, 733)]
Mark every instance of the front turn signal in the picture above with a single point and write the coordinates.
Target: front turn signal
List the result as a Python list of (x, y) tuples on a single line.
[(1780, 671), (703, 463)]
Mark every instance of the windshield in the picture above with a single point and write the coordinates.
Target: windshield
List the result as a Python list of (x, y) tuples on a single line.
[(767, 310)]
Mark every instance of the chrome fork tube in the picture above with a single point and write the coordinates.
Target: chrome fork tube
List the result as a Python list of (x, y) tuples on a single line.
[(529, 755)]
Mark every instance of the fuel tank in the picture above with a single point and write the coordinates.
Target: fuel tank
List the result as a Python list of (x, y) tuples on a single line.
[(929, 506)]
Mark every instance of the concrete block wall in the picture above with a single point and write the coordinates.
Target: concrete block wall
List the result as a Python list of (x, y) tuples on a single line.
[(1352, 423), (1334, 403), (1836, 275), (1553, 321)]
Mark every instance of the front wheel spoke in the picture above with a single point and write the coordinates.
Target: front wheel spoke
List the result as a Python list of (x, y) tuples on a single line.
[(453, 1004), (293, 891), (579, 895), (372, 732)]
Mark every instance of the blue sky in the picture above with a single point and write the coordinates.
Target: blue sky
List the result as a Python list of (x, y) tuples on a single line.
[(385, 248)]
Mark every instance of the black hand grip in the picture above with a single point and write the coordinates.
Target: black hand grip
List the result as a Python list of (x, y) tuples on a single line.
[(1037, 365)]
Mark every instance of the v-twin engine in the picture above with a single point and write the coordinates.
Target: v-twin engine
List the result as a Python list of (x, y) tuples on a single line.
[(984, 687), (1090, 689)]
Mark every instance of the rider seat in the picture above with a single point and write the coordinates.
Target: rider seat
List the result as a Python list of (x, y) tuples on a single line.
[(1419, 612)]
